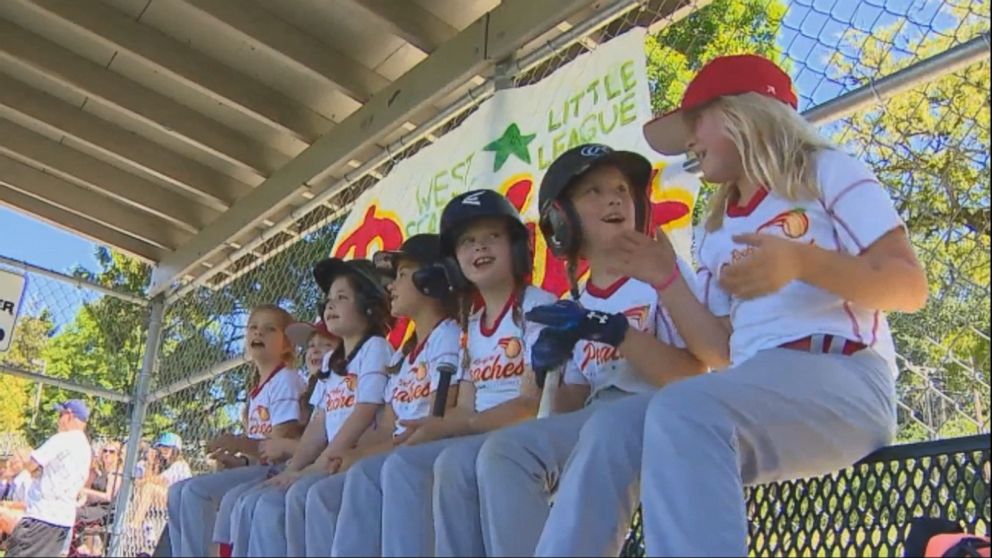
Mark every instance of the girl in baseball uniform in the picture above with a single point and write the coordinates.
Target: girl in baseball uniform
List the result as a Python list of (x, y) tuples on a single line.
[(416, 372), (588, 196), (487, 257), (273, 410), (316, 342), (799, 256), (268, 520), (319, 342)]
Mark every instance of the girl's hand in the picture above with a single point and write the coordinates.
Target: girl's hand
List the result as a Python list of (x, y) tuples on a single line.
[(633, 254), (421, 431), (227, 460), (771, 263), (275, 449), (225, 442), (283, 480), (346, 460)]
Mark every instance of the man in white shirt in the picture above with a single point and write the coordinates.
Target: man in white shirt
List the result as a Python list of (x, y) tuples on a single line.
[(64, 462)]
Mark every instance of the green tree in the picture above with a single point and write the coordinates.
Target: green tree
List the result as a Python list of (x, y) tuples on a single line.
[(722, 28), (25, 352), (930, 147)]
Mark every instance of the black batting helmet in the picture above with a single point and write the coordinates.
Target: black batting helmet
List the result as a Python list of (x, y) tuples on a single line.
[(559, 221), (473, 205)]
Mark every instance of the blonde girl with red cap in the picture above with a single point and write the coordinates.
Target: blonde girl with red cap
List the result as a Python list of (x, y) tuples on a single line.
[(800, 255)]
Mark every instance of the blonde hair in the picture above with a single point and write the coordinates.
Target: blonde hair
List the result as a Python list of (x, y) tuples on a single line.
[(288, 355), (777, 147)]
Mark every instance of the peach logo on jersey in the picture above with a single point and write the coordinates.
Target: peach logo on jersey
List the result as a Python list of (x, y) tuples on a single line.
[(341, 396), (598, 354), (794, 223), (492, 369), (638, 316), (421, 372), (263, 413), (511, 346), (259, 423)]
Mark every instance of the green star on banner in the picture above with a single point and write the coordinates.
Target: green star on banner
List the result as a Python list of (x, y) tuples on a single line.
[(512, 142)]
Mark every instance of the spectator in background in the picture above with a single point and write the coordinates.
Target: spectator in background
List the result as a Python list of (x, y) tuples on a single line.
[(15, 493), (6, 477), (63, 462), (169, 468), (98, 498), (21, 480)]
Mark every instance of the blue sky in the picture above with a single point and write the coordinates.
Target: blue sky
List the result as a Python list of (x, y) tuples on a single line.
[(811, 32), (30, 240)]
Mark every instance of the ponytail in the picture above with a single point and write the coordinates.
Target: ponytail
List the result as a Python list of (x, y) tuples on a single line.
[(572, 270), (408, 346), (464, 315)]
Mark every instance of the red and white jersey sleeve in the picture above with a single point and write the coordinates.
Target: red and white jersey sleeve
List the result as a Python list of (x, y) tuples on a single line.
[(409, 389), (499, 355), (365, 382), (852, 212), (274, 402)]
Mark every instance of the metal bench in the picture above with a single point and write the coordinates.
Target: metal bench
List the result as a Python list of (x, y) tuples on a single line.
[(865, 510)]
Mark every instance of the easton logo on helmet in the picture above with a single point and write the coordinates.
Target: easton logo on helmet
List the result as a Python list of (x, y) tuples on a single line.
[(594, 150), (473, 199)]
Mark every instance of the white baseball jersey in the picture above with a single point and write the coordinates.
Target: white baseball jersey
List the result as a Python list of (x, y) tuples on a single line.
[(364, 383), (65, 465), (599, 365), (273, 402), (409, 389), (499, 355), (852, 212)]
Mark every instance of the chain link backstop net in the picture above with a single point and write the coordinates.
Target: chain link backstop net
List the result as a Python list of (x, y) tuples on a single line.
[(903, 85)]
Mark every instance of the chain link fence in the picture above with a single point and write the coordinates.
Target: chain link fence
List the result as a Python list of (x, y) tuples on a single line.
[(898, 84)]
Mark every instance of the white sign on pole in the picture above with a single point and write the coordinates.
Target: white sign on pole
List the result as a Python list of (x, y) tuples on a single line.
[(11, 295)]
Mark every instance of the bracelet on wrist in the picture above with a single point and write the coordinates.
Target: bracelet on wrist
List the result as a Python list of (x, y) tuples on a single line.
[(667, 282)]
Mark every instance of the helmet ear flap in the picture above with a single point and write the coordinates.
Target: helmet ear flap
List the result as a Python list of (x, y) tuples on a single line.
[(456, 279), (562, 229)]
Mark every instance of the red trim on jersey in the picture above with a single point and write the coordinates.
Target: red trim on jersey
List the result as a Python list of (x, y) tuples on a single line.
[(258, 389), (668, 327), (850, 187), (734, 209), (849, 230), (600, 292), (855, 328), (874, 329), (487, 331), (423, 343)]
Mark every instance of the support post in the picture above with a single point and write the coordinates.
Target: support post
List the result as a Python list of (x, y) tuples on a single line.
[(138, 409)]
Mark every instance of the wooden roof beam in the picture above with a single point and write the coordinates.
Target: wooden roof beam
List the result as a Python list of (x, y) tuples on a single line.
[(76, 167), (22, 48), (216, 190), (188, 66), (295, 47)]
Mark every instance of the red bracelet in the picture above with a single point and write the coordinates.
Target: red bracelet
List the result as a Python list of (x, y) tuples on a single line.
[(663, 286)]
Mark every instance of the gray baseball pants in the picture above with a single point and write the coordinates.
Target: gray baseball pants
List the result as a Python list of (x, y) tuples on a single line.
[(193, 507), (783, 414)]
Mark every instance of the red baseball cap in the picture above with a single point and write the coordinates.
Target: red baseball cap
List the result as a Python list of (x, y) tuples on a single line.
[(721, 77), (299, 332)]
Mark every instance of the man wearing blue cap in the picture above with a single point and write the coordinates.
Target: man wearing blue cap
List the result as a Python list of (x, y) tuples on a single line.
[(64, 461)]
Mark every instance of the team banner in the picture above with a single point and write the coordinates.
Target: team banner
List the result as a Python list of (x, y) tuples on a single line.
[(508, 144)]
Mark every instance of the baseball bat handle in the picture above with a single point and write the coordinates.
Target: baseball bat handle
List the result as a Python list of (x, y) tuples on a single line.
[(446, 372), (551, 380)]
